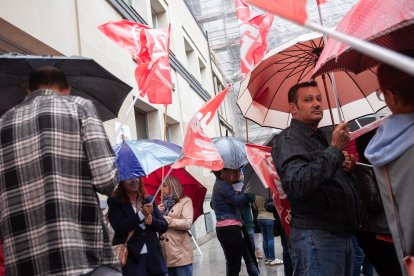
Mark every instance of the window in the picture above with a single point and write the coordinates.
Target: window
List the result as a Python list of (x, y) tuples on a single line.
[(158, 15), (191, 56), (141, 124), (203, 73)]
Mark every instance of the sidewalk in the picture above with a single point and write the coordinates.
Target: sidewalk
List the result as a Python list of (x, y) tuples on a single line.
[(213, 262)]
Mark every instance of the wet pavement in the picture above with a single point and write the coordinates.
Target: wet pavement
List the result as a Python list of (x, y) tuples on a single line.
[(213, 262)]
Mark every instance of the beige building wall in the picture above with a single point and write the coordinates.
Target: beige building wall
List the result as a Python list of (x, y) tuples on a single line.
[(69, 27)]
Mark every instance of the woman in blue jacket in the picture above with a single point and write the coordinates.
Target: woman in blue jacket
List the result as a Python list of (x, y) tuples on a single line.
[(130, 210), (225, 202)]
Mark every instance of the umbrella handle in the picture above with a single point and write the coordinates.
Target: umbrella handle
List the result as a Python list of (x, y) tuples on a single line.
[(162, 182)]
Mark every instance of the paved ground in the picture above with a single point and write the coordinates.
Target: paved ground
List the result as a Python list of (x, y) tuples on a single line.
[(213, 262)]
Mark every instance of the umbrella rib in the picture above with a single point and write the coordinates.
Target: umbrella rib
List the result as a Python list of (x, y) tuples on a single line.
[(283, 53), (288, 76), (360, 89)]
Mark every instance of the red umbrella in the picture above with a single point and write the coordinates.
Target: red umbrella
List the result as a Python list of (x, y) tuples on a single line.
[(263, 92), (386, 23), (192, 188)]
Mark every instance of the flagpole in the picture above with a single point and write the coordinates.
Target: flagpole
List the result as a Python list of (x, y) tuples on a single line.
[(118, 131), (335, 91)]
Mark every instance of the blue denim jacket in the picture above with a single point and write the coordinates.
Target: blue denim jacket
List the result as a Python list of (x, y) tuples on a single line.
[(225, 201)]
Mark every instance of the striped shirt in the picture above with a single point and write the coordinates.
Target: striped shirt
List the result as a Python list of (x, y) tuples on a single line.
[(54, 157)]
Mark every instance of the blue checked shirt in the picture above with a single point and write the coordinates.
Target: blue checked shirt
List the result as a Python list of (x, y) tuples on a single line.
[(54, 157)]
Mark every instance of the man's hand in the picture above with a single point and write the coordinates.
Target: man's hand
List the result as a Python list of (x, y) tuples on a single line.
[(340, 136), (147, 209), (349, 162)]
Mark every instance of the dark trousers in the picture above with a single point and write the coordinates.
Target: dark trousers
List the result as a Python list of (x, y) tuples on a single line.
[(381, 254), (287, 261), (231, 240), (134, 267)]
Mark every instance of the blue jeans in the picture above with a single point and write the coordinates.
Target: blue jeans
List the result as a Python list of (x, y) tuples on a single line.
[(250, 231), (266, 225), (185, 270), (321, 253), (359, 257), (361, 260)]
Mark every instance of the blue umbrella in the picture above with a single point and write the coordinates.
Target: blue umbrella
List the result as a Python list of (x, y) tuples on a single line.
[(232, 150), (139, 158)]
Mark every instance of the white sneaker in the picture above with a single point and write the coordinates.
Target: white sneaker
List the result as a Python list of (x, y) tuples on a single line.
[(276, 262)]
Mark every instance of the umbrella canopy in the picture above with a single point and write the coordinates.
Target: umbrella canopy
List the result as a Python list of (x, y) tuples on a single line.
[(263, 93), (253, 184), (386, 23), (191, 187), (232, 150), (141, 157), (86, 77)]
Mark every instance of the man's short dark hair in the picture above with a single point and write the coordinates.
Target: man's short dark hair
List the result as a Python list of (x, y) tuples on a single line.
[(293, 91), (47, 76)]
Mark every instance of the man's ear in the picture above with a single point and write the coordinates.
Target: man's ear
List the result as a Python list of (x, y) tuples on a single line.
[(293, 109)]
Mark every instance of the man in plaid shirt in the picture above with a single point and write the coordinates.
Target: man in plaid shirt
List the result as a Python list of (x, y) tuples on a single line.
[(54, 157)]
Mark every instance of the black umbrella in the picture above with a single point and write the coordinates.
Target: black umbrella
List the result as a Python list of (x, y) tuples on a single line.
[(86, 77)]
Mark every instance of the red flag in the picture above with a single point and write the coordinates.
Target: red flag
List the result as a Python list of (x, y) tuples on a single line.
[(320, 2), (253, 34), (198, 149), (150, 49), (294, 10), (262, 162)]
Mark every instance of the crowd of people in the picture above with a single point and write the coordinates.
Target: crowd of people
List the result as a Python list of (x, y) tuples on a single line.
[(346, 216), (55, 156)]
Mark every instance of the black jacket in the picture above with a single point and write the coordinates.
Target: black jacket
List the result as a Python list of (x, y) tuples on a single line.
[(321, 194), (371, 210), (123, 219)]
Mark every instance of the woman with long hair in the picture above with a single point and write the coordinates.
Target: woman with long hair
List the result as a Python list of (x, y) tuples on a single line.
[(176, 243), (131, 213)]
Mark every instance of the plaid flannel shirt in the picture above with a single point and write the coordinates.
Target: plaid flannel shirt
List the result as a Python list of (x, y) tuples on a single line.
[(54, 157)]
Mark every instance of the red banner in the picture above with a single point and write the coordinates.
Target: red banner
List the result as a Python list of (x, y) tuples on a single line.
[(253, 34), (150, 49), (198, 149), (262, 162), (294, 10)]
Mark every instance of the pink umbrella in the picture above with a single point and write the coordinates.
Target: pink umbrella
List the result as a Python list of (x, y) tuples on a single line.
[(386, 23), (263, 93)]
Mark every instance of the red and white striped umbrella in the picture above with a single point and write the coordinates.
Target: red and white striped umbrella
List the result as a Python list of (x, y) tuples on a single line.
[(389, 24), (263, 93)]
